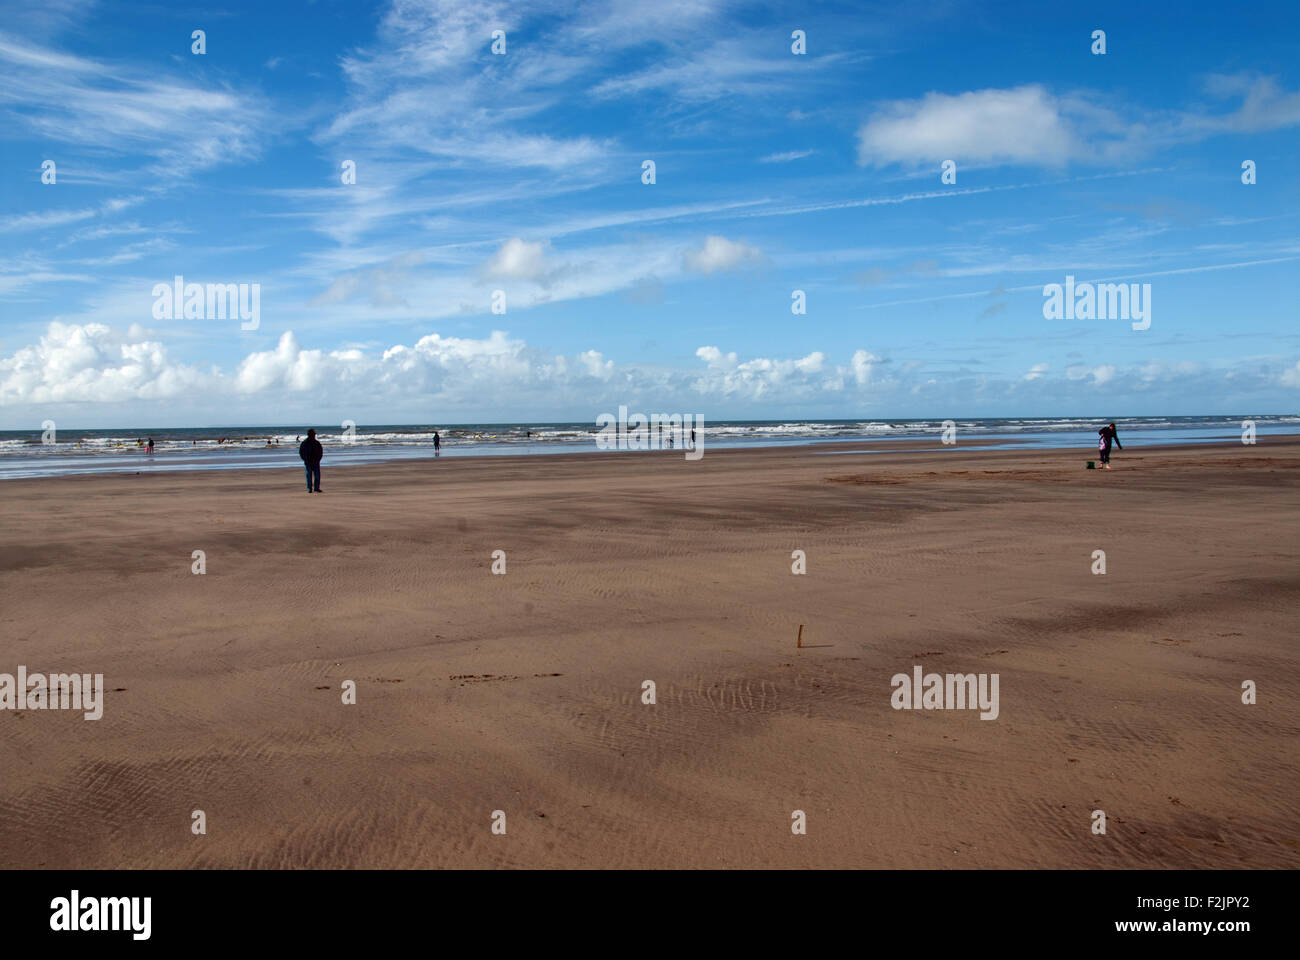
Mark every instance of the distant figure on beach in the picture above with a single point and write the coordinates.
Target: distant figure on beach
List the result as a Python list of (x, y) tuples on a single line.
[(1105, 437), (150, 445), (311, 452), (437, 440), (692, 436)]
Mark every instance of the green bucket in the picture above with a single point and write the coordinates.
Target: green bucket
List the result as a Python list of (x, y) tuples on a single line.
[(1092, 465)]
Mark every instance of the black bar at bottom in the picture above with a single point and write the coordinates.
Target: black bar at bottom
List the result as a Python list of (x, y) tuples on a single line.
[(332, 909)]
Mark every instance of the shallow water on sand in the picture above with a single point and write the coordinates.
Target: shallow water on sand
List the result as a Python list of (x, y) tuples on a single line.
[(105, 451)]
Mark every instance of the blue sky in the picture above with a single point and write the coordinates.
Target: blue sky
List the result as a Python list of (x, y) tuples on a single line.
[(522, 172)]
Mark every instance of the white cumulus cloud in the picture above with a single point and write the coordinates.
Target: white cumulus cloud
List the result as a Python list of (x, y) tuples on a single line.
[(719, 253), (517, 260), (1022, 125), (93, 363)]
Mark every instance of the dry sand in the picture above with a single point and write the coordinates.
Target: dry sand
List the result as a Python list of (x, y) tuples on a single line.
[(522, 692)]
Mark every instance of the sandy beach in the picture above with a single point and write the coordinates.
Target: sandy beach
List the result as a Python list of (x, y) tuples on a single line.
[(522, 693)]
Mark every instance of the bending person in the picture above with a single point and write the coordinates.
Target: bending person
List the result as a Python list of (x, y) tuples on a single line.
[(1106, 436)]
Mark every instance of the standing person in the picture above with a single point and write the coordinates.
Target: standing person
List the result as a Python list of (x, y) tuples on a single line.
[(150, 449), (437, 441), (1106, 436), (311, 452)]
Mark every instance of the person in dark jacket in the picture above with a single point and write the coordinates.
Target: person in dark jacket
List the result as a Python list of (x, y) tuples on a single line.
[(1106, 436), (311, 452)]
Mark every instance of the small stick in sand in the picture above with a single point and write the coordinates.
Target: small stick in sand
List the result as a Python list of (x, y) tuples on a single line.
[(799, 639)]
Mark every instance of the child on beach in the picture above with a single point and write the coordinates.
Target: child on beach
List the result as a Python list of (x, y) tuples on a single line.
[(1105, 437)]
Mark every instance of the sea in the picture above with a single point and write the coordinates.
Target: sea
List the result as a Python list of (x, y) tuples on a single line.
[(25, 453)]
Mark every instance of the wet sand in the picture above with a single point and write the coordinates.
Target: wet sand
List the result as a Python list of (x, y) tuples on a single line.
[(522, 692)]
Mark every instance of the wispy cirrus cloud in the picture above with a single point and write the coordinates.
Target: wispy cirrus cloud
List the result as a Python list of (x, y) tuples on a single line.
[(786, 157), (532, 272), (62, 218), (431, 85), (174, 125), (750, 65)]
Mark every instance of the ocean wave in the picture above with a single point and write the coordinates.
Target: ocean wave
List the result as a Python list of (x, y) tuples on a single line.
[(249, 441)]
